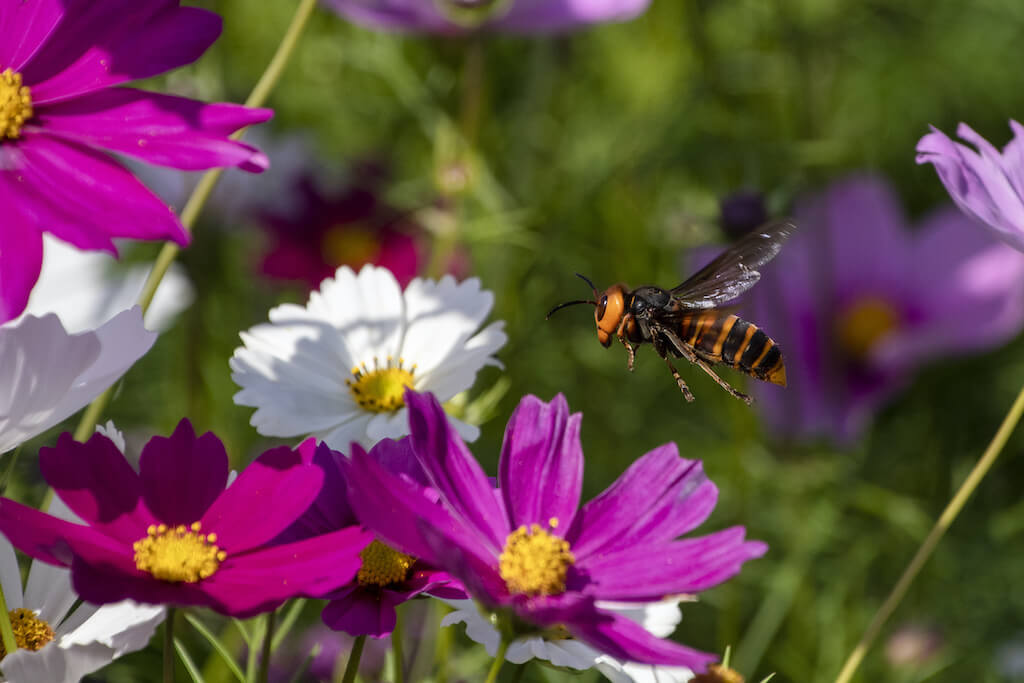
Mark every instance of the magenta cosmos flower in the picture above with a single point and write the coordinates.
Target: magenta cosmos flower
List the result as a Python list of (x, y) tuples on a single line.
[(986, 185), (527, 551), (387, 578), (60, 113), (171, 533), (461, 16), (859, 302)]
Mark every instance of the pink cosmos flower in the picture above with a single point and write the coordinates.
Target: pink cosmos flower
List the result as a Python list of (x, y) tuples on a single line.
[(60, 114), (175, 533)]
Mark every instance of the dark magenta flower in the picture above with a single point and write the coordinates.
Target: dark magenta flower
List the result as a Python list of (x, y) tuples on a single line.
[(528, 551), (60, 114), (858, 302), (452, 17), (171, 533), (986, 185), (387, 578)]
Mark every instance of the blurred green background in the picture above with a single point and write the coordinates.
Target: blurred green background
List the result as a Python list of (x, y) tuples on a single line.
[(606, 152)]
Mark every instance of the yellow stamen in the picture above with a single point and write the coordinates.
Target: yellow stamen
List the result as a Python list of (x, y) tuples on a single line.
[(178, 554), (349, 245), (30, 632), (535, 562), (381, 390), (717, 673), (383, 565), (860, 326), (15, 105)]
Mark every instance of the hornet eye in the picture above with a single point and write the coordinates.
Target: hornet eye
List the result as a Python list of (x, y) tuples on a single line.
[(601, 306)]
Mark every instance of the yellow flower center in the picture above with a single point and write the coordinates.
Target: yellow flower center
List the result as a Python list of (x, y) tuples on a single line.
[(349, 245), (178, 554), (30, 632), (717, 673), (535, 562), (382, 565), (381, 390), (15, 105), (861, 325)]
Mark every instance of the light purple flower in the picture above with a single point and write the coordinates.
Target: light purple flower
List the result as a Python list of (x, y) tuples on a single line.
[(858, 302), (60, 113), (528, 551), (366, 605), (452, 17), (986, 185), (171, 533)]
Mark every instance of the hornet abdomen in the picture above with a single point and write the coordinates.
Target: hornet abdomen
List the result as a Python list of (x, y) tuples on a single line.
[(719, 337)]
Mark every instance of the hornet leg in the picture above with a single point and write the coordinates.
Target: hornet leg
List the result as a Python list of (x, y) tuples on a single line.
[(679, 380), (689, 355), (631, 350)]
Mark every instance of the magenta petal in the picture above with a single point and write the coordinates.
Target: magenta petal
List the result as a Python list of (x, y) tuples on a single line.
[(480, 577), (101, 44), (98, 484), (277, 485), (85, 198), (25, 26), (182, 475), (660, 497), (48, 538), (330, 510), (99, 585), (21, 253), (647, 574), (453, 470), (542, 16), (158, 129), (362, 613), (541, 467)]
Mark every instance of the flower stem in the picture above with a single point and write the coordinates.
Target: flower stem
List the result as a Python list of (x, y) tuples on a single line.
[(946, 519), (268, 639), (352, 668), (443, 647), (6, 632), (169, 646), (499, 659), (396, 647), (201, 193)]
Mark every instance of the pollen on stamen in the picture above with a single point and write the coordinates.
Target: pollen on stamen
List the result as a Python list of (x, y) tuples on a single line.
[(178, 554), (381, 390), (535, 562), (30, 632), (383, 565), (15, 105)]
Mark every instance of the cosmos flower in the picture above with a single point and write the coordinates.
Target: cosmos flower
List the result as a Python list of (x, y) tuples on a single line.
[(659, 618), (452, 17), (173, 534), (337, 368), (60, 638), (858, 303), (47, 374), (986, 185), (527, 553), (60, 113), (387, 578)]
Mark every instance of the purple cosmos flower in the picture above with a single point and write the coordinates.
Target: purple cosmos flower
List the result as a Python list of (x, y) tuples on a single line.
[(351, 229), (460, 16), (988, 186), (59, 113), (387, 578), (525, 549), (172, 533), (858, 302)]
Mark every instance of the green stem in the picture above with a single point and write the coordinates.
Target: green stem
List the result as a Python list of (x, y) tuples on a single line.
[(396, 647), (201, 193), (169, 646), (352, 668), (443, 647), (499, 659), (946, 519), (268, 639), (6, 632)]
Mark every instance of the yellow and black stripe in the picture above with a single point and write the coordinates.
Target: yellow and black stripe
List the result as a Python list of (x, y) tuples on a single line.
[(725, 338)]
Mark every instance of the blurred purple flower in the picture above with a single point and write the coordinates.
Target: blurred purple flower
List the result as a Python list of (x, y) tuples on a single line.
[(387, 578), (451, 17), (988, 186), (59, 114), (741, 212), (171, 533), (528, 552), (858, 303)]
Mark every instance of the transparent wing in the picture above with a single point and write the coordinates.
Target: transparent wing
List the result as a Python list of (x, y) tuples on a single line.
[(734, 271)]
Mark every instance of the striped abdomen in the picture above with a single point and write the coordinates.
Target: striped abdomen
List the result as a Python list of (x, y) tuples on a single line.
[(725, 338)]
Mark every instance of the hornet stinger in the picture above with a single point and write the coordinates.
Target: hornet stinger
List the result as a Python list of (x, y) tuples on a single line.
[(689, 322)]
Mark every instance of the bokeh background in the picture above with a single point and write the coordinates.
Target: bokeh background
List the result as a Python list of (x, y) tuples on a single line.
[(522, 160)]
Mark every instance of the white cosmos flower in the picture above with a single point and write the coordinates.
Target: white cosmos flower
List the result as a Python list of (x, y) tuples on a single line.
[(87, 288), (660, 618), (47, 374), (84, 639), (337, 368)]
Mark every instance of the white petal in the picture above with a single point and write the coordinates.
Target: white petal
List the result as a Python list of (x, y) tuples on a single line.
[(632, 672), (659, 618), (111, 431), (47, 374), (10, 574)]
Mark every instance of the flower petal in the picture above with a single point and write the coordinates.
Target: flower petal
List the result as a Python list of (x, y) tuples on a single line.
[(362, 613), (542, 16), (540, 472), (26, 27), (330, 510), (21, 252), (50, 539)]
